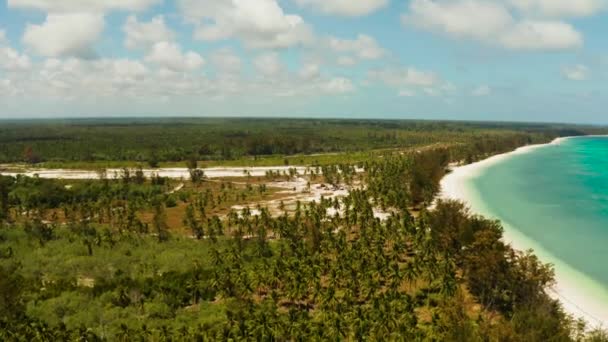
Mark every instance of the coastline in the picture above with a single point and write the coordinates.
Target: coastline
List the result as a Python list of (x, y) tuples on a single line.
[(580, 296)]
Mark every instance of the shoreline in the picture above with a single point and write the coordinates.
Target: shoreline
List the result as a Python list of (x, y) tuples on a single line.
[(580, 296)]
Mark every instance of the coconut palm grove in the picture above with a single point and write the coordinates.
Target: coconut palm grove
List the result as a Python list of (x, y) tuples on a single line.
[(131, 255)]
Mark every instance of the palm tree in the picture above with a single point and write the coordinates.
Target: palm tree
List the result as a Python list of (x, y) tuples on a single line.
[(124, 334), (410, 274), (160, 223)]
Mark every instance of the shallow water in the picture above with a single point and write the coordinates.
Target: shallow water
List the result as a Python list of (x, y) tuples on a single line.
[(555, 199)]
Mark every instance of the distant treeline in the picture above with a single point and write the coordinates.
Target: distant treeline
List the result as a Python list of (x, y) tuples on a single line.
[(173, 140)]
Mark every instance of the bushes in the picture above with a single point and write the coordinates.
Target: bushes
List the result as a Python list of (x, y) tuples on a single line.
[(171, 202), (12, 286)]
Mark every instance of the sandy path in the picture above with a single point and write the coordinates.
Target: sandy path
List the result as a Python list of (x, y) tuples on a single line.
[(175, 173)]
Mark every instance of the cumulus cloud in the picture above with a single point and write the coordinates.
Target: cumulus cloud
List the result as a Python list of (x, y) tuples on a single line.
[(143, 35), (71, 26), (460, 18), (269, 64), (64, 78), (310, 71), (491, 23), (338, 85), (226, 61), (364, 46), (7, 88), (126, 70), (578, 72), (169, 55), (406, 93), (346, 61), (257, 23), (3, 37), (561, 8), (82, 5), (66, 34), (483, 90), (398, 77), (408, 81), (542, 35), (117, 79), (11, 60), (348, 8)]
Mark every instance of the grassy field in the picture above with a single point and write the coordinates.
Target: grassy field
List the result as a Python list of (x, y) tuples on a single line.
[(330, 158)]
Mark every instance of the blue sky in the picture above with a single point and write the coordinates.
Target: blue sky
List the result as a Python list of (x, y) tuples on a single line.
[(509, 60)]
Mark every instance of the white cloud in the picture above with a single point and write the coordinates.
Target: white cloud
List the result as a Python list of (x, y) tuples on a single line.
[(7, 88), (73, 81), (71, 34), (69, 78), (3, 37), (127, 70), (483, 90), (351, 8), (11, 60), (257, 23), (269, 64), (405, 77), (338, 85), (346, 61), (406, 93), (410, 81), (71, 26), (310, 71), (82, 5), (440, 89), (228, 71), (117, 79), (578, 72), (364, 46), (169, 55), (491, 23), (432, 91), (542, 35), (146, 34), (460, 18), (560, 8), (226, 61)]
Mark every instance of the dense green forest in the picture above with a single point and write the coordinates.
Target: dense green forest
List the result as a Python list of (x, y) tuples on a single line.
[(153, 141), (132, 259)]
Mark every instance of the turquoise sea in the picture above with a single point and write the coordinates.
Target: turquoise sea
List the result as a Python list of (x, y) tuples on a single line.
[(555, 199)]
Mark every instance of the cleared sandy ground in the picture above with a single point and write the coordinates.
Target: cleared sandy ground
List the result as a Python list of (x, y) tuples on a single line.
[(175, 173), (297, 189)]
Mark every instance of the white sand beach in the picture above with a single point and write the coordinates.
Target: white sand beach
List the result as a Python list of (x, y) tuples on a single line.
[(581, 296)]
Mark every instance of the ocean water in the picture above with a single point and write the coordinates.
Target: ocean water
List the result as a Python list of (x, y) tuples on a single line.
[(555, 199)]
